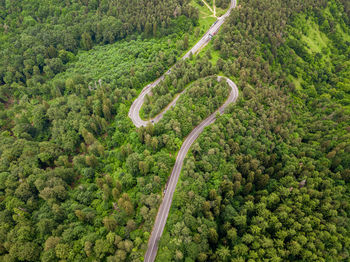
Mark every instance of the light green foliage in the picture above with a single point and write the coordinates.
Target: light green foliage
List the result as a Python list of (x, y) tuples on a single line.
[(132, 62)]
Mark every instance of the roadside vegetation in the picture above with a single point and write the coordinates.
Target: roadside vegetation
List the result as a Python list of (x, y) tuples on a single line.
[(269, 180), (60, 107), (75, 174), (41, 38)]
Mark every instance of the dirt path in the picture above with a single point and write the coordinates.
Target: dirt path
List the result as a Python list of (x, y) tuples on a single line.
[(211, 9), (214, 7)]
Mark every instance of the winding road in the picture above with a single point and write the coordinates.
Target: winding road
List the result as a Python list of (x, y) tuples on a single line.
[(134, 114)]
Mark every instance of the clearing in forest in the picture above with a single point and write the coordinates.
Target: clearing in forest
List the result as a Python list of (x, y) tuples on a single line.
[(208, 8), (212, 10)]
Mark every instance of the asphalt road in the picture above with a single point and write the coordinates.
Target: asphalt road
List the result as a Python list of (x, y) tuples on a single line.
[(134, 114), (137, 104), (164, 208)]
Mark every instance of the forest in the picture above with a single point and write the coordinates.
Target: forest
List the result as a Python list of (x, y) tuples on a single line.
[(78, 182), (38, 38), (269, 180)]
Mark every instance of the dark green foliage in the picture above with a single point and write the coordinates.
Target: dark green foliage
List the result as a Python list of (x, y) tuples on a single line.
[(269, 180), (63, 154), (182, 74), (271, 176), (56, 201), (39, 38)]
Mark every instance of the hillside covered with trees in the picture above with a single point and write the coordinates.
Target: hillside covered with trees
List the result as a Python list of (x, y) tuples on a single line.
[(269, 180), (58, 120), (38, 38)]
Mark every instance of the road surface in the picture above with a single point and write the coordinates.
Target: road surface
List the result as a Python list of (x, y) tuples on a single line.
[(134, 114)]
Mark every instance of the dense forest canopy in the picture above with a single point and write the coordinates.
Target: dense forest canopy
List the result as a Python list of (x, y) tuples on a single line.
[(54, 126), (269, 180), (40, 37), (82, 183)]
